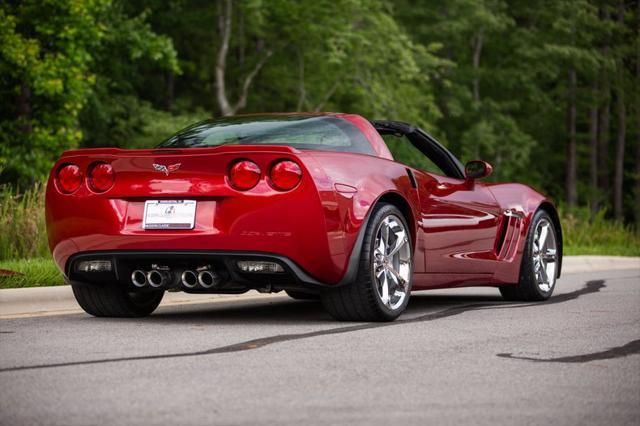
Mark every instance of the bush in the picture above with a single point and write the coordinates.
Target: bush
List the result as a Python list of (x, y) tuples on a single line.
[(22, 226), (584, 234)]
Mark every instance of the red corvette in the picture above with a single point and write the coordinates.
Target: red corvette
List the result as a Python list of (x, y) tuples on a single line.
[(312, 204)]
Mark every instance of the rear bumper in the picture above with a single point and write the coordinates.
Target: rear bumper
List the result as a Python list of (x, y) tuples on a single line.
[(225, 262)]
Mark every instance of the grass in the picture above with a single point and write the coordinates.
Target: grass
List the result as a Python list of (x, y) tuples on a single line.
[(585, 235), (30, 273), (23, 233), (23, 236)]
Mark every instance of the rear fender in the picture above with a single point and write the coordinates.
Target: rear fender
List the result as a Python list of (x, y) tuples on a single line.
[(360, 182)]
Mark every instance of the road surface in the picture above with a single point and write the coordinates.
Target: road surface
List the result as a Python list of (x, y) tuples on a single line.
[(459, 356)]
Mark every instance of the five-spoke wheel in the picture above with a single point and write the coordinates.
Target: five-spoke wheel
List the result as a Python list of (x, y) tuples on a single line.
[(392, 262), (383, 283), (539, 267)]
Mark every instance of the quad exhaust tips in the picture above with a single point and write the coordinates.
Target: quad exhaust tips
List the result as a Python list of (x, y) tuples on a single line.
[(159, 277)]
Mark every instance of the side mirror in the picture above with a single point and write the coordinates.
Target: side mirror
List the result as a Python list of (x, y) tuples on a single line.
[(477, 169)]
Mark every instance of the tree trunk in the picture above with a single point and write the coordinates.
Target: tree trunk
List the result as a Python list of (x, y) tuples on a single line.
[(170, 90), (477, 52), (224, 27), (571, 164), (618, 177), (637, 129), (603, 140), (24, 108), (302, 92), (593, 156), (603, 130)]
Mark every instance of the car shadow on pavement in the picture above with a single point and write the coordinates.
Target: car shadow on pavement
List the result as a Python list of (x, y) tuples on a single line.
[(288, 311), (313, 311)]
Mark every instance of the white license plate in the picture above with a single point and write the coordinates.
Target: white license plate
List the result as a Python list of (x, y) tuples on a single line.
[(169, 214)]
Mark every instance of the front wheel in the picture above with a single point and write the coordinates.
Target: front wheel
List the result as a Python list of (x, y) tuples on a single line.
[(383, 283), (112, 300), (539, 267)]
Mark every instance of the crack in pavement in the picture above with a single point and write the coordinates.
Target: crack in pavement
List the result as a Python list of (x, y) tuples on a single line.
[(630, 348), (590, 287)]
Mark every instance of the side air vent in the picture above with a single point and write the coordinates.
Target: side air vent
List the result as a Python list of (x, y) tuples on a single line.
[(502, 235), (412, 178)]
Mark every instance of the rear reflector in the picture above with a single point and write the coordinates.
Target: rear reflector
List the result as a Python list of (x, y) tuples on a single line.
[(285, 175), (101, 177), (259, 267), (244, 175), (94, 266), (69, 178)]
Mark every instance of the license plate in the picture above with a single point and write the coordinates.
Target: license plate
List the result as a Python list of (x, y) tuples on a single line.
[(169, 214)]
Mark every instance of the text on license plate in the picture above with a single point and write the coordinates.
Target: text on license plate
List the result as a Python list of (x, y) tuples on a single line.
[(169, 214)]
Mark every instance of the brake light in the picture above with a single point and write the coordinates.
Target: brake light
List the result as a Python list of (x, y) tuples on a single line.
[(101, 177), (69, 178), (285, 175), (244, 175)]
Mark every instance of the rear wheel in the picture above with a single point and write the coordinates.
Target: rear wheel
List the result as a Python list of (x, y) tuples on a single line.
[(383, 284), (539, 267), (116, 301)]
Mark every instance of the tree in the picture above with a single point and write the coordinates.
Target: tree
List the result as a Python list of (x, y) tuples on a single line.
[(47, 62)]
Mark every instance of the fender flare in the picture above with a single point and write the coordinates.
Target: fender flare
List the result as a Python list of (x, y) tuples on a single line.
[(354, 259)]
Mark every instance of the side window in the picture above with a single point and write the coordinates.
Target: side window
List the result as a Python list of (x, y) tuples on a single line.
[(404, 152)]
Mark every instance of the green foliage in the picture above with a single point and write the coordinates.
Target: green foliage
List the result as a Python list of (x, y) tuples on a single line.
[(22, 226), (49, 51), (586, 234), (36, 272), (44, 61)]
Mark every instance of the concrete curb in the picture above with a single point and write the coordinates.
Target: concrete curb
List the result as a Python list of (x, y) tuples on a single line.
[(42, 301)]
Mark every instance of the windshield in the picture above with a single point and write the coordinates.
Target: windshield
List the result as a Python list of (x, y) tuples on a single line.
[(325, 133)]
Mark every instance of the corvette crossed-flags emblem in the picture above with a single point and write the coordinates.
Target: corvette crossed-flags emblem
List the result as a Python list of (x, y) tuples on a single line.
[(166, 169)]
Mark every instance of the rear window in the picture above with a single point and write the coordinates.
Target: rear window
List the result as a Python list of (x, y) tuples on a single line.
[(323, 133)]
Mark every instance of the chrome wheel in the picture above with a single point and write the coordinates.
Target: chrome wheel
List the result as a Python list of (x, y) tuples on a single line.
[(545, 255), (392, 262)]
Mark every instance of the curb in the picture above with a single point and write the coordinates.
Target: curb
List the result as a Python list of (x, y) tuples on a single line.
[(59, 300)]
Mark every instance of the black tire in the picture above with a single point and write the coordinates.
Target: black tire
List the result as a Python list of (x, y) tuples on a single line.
[(116, 300), (300, 295), (359, 301), (527, 289)]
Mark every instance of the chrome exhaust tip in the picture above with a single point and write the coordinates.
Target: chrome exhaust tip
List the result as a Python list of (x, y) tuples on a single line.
[(189, 279), (157, 278), (208, 279), (139, 278)]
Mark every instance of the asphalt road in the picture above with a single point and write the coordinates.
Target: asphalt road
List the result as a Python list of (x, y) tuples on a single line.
[(457, 356)]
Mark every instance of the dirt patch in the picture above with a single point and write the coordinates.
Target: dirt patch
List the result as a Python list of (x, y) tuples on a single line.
[(8, 273)]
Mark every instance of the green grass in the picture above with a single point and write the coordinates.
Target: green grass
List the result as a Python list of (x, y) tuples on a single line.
[(597, 236), (23, 232), (31, 273)]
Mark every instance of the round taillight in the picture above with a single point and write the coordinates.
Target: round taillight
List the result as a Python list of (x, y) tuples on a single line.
[(244, 175), (101, 177), (285, 175), (69, 178)]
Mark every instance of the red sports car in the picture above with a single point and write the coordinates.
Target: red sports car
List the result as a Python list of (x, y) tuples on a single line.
[(312, 204)]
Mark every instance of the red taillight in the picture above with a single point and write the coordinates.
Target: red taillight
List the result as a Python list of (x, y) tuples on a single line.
[(69, 178), (244, 175), (101, 177), (285, 175)]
